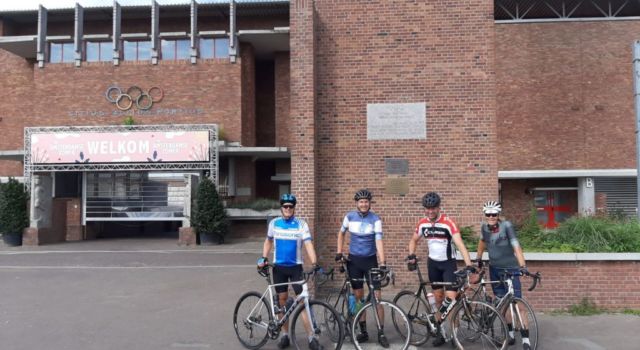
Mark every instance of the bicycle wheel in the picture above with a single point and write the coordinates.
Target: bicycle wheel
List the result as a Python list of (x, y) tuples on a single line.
[(251, 320), (522, 318), (416, 310), (397, 338), (337, 301), (477, 325), (325, 326)]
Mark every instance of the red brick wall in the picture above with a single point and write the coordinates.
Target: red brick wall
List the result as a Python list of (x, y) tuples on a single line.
[(440, 53), (282, 92), (302, 131), (248, 228), (565, 90)]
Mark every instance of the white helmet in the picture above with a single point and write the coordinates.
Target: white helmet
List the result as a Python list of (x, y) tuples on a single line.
[(492, 207)]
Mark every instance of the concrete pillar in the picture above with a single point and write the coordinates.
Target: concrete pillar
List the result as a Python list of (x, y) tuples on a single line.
[(586, 196), (41, 209)]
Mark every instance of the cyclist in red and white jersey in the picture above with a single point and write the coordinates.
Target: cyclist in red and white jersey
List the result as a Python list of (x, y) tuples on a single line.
[(440, 231)]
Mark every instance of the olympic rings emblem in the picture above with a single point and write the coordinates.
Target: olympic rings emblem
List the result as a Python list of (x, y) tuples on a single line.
[(125, 100)]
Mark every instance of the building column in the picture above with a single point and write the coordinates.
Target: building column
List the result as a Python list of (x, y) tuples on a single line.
[(41, 205), (586, 196), (302, 132)]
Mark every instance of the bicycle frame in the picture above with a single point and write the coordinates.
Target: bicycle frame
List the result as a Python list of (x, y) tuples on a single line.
[(278, 323)]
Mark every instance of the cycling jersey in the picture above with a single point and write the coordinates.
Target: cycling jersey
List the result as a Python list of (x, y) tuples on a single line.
[(288, 236), (500, 244), (439, 235), (365, 230)]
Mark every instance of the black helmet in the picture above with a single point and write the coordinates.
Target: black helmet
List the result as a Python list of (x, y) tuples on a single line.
[(363, 194), (431, 200), (288, 198)]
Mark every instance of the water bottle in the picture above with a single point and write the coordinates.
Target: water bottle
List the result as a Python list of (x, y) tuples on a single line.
[(432, 301), (352, 303), (289, 304), (445, 305)]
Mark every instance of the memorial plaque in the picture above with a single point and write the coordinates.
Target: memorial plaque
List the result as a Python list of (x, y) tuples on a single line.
[(396, 121), (397, 185), (394, 166)]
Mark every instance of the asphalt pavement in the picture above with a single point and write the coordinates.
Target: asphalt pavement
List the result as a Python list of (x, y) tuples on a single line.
[(151, 294)]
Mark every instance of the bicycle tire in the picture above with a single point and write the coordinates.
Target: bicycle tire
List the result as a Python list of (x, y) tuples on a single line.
[(477, 325), (532, 322), (396, 340), (328, 326), (338, 301), (415, 308), (248, 315)]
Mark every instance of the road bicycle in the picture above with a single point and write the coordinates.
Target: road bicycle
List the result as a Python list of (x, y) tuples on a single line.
[(352, 310), (471, 324), (518, 313), (255, 317)]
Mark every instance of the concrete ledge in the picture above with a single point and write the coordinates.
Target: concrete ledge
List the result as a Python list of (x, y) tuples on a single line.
[(250, 214), (571, 256)]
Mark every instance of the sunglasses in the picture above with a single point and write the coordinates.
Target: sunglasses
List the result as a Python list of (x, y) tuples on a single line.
[(491, 215), (288, 206)]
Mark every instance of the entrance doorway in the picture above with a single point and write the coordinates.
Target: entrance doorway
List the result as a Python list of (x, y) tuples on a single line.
[(555, 205)]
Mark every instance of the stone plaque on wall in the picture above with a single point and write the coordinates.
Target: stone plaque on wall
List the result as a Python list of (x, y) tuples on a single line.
[(398, 185), (396, 121), (396, 166)]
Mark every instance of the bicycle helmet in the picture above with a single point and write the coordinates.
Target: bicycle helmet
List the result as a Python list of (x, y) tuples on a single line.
[(492, 207), (431, 200), (363, 194), (288, 198)]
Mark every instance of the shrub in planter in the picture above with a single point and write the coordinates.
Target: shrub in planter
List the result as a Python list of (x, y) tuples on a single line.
[(210, 219), (13, 212)]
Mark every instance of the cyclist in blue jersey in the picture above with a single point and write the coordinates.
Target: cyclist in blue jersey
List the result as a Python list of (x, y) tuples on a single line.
[(286, 235), (365, 228)]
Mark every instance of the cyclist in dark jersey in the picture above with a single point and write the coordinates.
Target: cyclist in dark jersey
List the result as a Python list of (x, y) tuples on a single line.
[(505, 254), (365, 228), (440, 231)]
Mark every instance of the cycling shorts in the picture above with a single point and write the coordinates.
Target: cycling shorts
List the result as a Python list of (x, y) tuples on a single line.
[(284, 274), (442, 271), (500, 289), (359, 267)]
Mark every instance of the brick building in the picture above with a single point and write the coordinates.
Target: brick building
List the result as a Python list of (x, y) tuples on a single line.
[(478, 100)]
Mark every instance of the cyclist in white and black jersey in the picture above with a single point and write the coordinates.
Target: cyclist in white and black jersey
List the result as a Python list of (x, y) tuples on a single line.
[(439, 231), (365, 250)]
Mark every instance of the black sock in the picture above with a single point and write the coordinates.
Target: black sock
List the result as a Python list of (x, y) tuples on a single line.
[(525, 333), (363, 326), (510, 326)]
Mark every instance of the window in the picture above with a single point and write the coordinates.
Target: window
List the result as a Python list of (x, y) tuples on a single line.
[(98, 51), (175, 49), (137, 50), (214, 47), (60, 52)]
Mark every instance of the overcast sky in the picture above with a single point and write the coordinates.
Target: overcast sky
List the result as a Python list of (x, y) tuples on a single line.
[(51, 4)]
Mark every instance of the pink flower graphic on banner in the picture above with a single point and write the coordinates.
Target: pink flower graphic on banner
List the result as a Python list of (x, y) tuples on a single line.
[(82, 160), (154, 157), (199, 153)]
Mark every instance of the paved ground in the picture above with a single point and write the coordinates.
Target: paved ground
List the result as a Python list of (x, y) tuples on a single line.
[(151, 294)]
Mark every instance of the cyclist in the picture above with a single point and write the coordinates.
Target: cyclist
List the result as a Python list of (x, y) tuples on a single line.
[(505, 254), (287, 234), (365, 228), (440, 231)]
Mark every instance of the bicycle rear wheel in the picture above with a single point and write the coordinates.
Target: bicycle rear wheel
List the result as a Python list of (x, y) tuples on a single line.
[(337, 301), (251, 320), (478, 326), (522, 319), (416, 310), (325, 328), (397, 337)]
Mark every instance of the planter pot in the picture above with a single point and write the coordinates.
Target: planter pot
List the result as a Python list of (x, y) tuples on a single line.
[(12, 239), (210, 238)]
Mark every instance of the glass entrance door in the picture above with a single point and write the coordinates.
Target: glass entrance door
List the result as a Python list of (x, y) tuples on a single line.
[(555, 206)]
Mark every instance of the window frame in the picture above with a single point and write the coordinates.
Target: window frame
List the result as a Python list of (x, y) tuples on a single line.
[(62, 44), (213, 47)]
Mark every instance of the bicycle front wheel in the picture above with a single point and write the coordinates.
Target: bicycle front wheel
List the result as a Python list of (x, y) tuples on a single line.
[(251, 320), (478, 326), (338, 301), (523, 320), (397, 337), (321, 325), (416, 310)]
